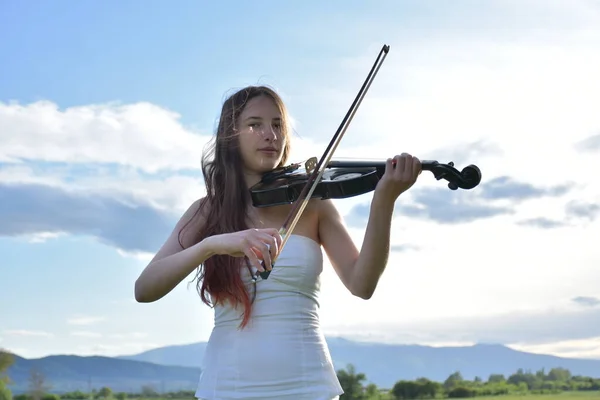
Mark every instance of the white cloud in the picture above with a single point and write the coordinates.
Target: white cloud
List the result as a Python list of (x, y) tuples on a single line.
[(140, 135), (113, 350), (137, 255), (172, 194), (580, 348), (85, 320), (532, 100), (478, 269), (86, 334), (28, 333), (130, 335), (42, 237), (525, 100)]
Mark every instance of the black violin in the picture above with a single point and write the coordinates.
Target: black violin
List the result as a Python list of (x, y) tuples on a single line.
[(343, 179), (327, 179)]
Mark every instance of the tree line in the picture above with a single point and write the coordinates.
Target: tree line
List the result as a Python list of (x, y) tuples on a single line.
[(521, 382), (354, 384)]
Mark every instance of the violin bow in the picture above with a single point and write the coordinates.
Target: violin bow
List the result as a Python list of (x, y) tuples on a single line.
[(317, 171)]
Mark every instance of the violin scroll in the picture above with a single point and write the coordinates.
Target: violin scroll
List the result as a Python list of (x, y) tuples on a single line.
[(467, 179)]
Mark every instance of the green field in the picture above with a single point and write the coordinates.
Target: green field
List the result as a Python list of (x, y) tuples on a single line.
[(592, 395)]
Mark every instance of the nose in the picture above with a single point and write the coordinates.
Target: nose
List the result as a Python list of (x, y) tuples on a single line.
[(268, 132)]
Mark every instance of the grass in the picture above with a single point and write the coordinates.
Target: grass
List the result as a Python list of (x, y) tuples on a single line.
[(583, 395)]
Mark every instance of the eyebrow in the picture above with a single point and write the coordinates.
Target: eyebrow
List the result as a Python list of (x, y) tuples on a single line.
[(260, 118)]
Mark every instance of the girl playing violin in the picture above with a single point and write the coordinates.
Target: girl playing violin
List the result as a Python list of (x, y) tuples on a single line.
[(267, 341)]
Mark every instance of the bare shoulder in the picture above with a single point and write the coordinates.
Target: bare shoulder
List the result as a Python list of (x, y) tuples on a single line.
[(192, 218), (330, 222), (332, 227), (326, 211), (195, 212)]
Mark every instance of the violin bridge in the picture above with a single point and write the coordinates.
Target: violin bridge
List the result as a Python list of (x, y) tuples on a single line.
[(310, 165)]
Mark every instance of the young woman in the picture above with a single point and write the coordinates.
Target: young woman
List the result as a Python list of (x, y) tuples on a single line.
[(267, 342)]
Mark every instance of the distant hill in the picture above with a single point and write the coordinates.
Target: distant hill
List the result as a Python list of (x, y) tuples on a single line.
[(384, 364), (174, 368), (186, 355), (69, 373)]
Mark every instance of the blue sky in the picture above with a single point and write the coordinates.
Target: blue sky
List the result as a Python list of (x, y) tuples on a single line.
[(105, 107)]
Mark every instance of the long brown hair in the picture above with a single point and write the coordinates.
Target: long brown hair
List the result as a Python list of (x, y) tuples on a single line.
[(225, 207)]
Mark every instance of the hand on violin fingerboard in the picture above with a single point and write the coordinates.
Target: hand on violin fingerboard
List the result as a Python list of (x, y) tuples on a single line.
[(401, 173)]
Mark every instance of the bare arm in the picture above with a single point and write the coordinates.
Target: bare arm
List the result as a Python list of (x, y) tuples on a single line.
[(358, 271), (171, 264), (375, 248)]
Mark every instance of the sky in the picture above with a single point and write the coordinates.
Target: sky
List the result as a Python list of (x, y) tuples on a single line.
[(105, 108)]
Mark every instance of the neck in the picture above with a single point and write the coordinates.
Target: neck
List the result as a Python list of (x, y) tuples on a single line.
[(252, 178)]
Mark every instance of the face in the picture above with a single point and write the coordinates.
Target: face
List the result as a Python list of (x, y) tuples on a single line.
[(260, 135)]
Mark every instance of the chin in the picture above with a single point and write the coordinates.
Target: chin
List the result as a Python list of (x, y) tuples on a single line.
[(267, 163), (266, 167)]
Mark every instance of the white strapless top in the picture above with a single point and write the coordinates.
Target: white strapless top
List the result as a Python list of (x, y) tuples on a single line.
[(281, 353)]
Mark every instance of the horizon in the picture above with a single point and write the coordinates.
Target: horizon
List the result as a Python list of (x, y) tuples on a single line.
[(103, 119), (434, 345)]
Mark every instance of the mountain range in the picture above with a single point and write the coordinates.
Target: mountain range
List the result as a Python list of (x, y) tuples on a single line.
[(66, 373), (173, 368)]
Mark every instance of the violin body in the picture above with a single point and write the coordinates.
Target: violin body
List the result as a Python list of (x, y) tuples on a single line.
[(343, 179)]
